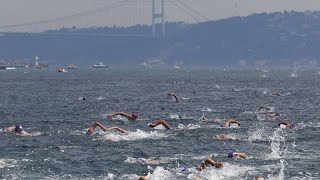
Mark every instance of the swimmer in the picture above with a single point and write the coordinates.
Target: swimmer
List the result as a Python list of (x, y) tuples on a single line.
[(223, 137), (134, 116), (265, 108), (174, 96), (274, 116), (231, 123), (95, 124), (286, 125), (237, 154), (207, 162), (17, 129), (158, 122), (259, 178), (203, 118), (275, 94), (147, 161), (143, 178)]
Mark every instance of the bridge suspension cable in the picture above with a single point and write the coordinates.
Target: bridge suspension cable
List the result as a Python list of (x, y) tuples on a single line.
[(193, 10), (85, 13), (185, 11)]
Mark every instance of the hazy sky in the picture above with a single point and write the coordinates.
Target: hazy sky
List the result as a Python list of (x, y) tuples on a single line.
[(14, 12)]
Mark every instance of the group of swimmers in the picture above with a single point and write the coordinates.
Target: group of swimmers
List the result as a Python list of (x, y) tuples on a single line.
[(18, 129)]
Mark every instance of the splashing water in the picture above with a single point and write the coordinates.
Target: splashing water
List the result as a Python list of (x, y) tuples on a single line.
[(281, 174), (189, 126), (132, 136), (160, 174), (229, 171), (275, 146), (256, 134)]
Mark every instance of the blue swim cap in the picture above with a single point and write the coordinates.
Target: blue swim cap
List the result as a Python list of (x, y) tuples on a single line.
[(142, 161), (292, 126), (18, 128), (104, 116), (230, 155), (184, 169)]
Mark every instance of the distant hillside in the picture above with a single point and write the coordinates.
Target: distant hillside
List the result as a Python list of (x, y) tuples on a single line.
[(276, 38)]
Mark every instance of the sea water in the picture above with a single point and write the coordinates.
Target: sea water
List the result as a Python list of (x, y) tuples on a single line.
[(48, 105)]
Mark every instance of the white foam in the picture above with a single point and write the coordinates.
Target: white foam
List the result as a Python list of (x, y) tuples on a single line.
[(233, 125), (100, 98), (257, 134), (229, 171), (206, 109), (132, 136), (174, 116), (277, 150), (281, 174), (160, 174), (133, 160), (7, 163), (189, 126)]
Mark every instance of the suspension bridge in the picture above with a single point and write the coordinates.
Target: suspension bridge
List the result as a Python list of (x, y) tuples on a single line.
[(152, 11)]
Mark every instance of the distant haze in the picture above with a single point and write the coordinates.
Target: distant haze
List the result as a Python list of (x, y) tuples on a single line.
[(15, 12)]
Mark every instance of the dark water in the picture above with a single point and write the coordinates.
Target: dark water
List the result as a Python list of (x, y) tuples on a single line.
[(47, 104)]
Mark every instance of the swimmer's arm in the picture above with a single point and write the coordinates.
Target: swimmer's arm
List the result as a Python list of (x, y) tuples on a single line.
[(9, 129), (243, 155), (26, 134), (119, 129), (119, 113), (284, 123), (233, 121)]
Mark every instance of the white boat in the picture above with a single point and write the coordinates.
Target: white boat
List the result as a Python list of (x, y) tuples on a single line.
[(100, 65), (7, 68)]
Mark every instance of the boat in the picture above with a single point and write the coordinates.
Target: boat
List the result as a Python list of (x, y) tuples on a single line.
[(72, 66), (61, 69), (7, 68), (38, 66), (100, 65)]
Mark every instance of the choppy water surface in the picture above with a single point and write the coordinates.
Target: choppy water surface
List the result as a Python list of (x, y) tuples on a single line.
[(48, 105)]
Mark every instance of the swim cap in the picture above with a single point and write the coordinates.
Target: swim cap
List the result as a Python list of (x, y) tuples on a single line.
[(233, 125), (104, 116), (18, 128), (184, 169), (292, 126), (135, 114), (231, 155), (142, 160)]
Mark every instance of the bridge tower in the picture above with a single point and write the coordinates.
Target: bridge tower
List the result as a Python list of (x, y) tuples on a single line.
[(156, 16)]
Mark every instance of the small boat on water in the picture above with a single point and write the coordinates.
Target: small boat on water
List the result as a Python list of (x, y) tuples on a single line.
[(100, 65), (72, 66), (61, 69), (7, 68)]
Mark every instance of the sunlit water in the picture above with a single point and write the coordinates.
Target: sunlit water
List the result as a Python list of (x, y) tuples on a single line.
[(49, 105)]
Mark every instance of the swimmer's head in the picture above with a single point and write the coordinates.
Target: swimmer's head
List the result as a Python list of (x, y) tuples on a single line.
[(232, 154), (142, 161), (18, 128), (184, 169), (135, 114), (104, 116), (292, 126)]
